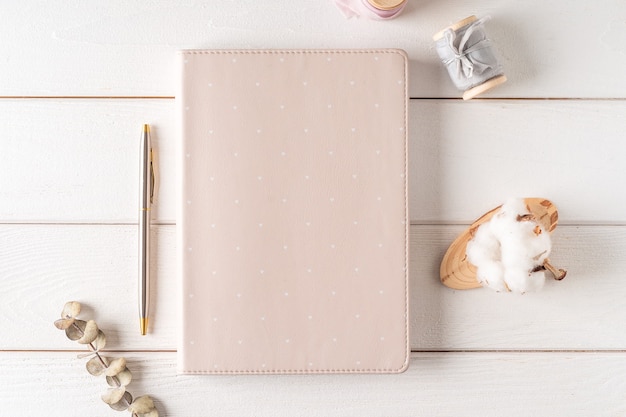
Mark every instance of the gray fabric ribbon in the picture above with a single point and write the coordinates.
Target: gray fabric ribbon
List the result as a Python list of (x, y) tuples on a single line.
[(464, 55)]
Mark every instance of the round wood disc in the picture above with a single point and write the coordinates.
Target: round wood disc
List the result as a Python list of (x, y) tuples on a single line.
[(458, 273), (456, 26), (487, 85), (386, 4)]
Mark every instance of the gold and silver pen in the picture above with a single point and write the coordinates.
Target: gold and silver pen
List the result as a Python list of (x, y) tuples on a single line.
[(146, 181)]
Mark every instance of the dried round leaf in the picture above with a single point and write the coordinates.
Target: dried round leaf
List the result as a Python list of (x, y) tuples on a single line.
[(123, 378), (113, 381), (86, 355), (116, 366), (75, 331), (70, 309), (122, 404), (142, 405), (63, 324), (113, 395), (95, 367), (153, 413), (99, 343), (90, 333)]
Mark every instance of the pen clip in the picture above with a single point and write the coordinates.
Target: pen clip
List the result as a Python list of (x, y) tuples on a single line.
[(152, 177)]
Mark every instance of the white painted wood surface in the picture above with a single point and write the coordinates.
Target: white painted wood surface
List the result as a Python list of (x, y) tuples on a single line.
[(58, 167), (77, 80), (549, 49), (570, 384)]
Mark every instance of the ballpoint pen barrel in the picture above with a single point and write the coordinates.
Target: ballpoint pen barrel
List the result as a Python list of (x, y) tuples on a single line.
[(144, 228)]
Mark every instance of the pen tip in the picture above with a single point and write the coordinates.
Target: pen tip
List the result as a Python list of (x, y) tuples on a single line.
[(143, 324), (146, 128)]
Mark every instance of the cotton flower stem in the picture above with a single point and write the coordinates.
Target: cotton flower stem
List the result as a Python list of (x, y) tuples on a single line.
[(559, 274), (525, 217)]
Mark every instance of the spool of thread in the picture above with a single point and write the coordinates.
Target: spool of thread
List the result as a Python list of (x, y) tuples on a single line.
[(385, 9), (375, 9), (468, 55)]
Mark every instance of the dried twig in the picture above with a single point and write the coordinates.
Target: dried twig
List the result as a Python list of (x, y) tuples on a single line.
[(118, 376)]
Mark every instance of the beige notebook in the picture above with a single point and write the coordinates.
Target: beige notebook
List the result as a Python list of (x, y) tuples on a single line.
[(292, 228)]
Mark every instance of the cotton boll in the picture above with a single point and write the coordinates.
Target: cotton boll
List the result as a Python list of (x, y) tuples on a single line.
[(521, 253), (522, 281), (539, 244), (491, 274), (527, 247), (484, 247), (508, 249), (505, 222), (483, 251), (516, 279), (515, 252), (536, 280)]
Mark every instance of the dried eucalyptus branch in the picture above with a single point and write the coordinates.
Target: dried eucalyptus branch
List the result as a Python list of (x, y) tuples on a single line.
[(118, 376)]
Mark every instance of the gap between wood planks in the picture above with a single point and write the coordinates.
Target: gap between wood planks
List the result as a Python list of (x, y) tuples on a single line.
[(112, 97), (87, 97), (413, 352), (173, 223)]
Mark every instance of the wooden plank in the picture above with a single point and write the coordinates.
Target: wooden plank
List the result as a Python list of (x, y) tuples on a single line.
[(548, 49), (441, 384), (467, 158), (68, 163), (579, 312), (77, 160), (43, 266)]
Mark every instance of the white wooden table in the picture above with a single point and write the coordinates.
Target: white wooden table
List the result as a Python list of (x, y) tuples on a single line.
[(77, 80)]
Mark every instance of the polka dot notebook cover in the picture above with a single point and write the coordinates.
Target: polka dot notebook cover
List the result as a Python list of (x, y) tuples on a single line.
[(293, 217)]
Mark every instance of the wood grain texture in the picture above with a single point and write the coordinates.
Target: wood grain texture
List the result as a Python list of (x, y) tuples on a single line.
[(61, 167), (467, 158), (564, 315), (68, 205), (436, 384), (78, 160), (548, 49), (43, 266)]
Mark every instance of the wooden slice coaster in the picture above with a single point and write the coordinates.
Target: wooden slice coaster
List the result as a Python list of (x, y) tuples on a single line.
[(458, 273)]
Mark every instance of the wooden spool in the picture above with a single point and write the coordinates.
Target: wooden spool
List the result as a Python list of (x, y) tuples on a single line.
[(386, 4), (456, 26), (487, 85), (458, 273)]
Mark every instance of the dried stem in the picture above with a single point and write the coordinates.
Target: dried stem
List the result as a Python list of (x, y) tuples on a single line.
[(103, 362), (93, 348), (559, 274), (525, 217)]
